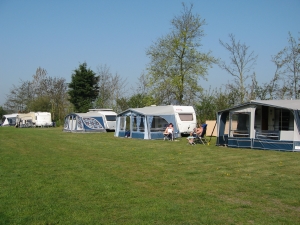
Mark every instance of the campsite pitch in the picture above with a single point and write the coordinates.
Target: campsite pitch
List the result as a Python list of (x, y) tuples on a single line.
[(51, 177)]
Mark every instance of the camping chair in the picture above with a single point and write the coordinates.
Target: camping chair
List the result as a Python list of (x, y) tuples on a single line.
[(169, 136), (201, 139)]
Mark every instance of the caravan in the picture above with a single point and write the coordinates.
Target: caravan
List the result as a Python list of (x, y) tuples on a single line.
[(185, 118), (150, 122), (32, 119), (109, 118), (42, 119)]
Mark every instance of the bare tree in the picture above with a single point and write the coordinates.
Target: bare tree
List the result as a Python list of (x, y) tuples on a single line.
[(289, 61), (39, 87), (43, 93), (240, 66), (111, 88), (266, 91)]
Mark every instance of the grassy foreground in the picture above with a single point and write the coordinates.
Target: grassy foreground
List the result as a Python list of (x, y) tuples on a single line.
[(51, 177)]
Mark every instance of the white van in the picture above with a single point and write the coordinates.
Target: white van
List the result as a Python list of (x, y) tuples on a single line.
[(109, 118), (185, 118)]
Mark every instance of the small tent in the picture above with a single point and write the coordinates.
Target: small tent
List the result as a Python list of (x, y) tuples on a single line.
[(150, 122), (264, 124), (9, 119), (84, 122)]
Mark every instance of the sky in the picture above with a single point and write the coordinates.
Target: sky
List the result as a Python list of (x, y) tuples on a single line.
[(58, 35)]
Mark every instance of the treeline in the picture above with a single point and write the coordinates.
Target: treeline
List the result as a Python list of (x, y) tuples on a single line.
[(173, 76)]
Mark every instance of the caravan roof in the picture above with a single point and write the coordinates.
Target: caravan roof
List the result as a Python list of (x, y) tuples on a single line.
[(88, 114), (162, 110), (102, 111)]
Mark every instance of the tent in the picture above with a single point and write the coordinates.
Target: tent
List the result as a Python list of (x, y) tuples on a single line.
[(84, 122), (150, 122), (9, 119), (261, 124)]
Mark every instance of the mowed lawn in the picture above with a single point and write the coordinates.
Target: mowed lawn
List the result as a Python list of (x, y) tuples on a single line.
[(51, 177)]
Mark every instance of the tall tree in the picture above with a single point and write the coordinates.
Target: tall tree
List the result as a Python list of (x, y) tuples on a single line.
[(19, 97), (83, 89), (176, 64), (111, 88), (289, 60), (241, 63), (42, 93)]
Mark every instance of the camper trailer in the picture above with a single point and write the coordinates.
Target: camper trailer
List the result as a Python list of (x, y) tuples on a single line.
[(9, 119), (185, 118), (109, 118), (42, 119), (32, 119), (150, 122)]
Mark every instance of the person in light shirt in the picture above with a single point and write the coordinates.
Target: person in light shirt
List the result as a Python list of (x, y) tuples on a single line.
[(169, 131)]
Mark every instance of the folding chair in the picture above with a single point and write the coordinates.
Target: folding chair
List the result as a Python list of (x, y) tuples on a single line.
[(202, 138), (169, 136)]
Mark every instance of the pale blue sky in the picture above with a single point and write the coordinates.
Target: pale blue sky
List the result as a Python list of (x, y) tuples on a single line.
[(57, 35)]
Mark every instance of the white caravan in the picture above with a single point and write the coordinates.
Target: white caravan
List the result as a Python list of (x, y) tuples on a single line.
[(109, 117), (185, 117), (38, 119), (43, 119), (151, 121), (9, 119)]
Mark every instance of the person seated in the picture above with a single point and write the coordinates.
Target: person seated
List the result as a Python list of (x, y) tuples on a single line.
[(197, 131), (127, 133), (169, 131)]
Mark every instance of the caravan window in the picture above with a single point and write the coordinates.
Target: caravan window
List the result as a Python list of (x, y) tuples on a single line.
[(186, 117), (110, 118)]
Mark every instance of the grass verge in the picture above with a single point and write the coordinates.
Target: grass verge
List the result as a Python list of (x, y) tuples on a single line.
[(51, 177)]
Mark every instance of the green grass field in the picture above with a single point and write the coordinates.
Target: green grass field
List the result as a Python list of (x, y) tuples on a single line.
[(51, 177)]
